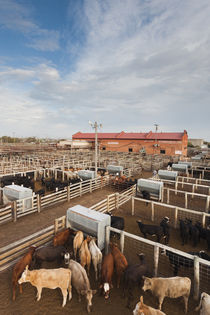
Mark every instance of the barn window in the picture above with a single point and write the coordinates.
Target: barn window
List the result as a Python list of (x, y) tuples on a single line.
[(162, 151), (130, 150), (103, 148)]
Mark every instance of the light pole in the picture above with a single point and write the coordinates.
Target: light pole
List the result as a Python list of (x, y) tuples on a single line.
[(95, 126)]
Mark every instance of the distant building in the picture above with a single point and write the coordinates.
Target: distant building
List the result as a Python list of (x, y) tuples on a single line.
[(68, 144), (169, 143), (196, 142)]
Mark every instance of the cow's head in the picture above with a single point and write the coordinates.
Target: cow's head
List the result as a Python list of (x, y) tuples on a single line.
[(66, 257), (167, 219), (25, 276), (139, 309), (89, 295), (106, 289), (147, 283)]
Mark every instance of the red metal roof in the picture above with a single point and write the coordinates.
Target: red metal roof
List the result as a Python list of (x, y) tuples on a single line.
[(131, 135)]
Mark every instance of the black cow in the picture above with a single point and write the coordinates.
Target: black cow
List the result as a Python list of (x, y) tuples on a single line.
[(50, 253), (151, 230), (193, 232), (133, 276), (166, 229), (203, 233), (184, 231), (117, 223), (177, 260)]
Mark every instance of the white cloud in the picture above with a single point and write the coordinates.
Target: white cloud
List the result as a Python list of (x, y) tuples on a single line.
[(142, 62)]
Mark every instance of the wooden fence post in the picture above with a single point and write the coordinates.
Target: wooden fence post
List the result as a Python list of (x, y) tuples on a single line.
[(207, 203), (175, 217), (185, 200), (167, 195), (122, 241), (152, 211), (176, 184), (91, 186), (80, 189), (14, 211), (68, 193), (132, 205), (107, 239), (156, 260), (203, 219), (56, 226), (193, 190), (196, 278)]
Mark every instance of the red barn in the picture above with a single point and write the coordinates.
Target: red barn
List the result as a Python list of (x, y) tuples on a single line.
[(169, 143)]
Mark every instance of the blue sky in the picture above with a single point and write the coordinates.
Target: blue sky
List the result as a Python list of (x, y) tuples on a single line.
[(127, 64)]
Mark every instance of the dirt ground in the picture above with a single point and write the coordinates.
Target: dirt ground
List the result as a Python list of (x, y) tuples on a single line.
[(51, 300)]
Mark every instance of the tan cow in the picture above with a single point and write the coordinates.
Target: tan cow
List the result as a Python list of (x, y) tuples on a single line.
[(78, 239), (204, 305), (173, 287), (85, 256), (142, 308), (49, 278)]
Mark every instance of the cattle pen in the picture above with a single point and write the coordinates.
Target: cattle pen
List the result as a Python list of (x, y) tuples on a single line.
[(130, 244)]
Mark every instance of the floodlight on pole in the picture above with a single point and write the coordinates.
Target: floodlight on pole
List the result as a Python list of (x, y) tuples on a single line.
[(95, 126)]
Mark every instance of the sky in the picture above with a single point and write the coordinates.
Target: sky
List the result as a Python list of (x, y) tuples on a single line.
[(127, 64)]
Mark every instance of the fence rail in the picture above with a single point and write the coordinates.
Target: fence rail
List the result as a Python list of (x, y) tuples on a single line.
[(36, 203)]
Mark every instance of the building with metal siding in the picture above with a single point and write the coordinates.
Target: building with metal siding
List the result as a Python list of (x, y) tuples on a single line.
[(169, 143)]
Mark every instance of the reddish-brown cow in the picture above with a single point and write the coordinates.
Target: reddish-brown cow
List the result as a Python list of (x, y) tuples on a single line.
[(107, 270), (119, 260), (20, 267), (62, 237)]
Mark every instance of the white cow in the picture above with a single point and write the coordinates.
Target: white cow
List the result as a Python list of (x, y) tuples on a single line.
[(204, 305), (49, 278), (142, 309), (173, 287), (96, 256)]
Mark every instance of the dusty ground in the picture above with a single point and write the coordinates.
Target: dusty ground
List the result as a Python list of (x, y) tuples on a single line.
[(51, 300)]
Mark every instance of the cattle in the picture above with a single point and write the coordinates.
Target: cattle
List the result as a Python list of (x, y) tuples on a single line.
[(77, 242), (107, 269), (178, 260), (61, 238), (85, 256), (50, 253), (151, 230), (166, 229), (96, 256), (168, 287), (184, 231), (19, 268), (203, 233), (193, 232), (133, 276), (142, 308), (81, 282), (117, 223), (49, 278), (204, 305), (120, 261)]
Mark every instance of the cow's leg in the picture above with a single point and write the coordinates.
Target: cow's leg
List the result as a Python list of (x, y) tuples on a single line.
[(70, 290), (21, 288), (118, 279), (96, 269), (13, 291), (64, 292), (185, 297), (160, 298), (39, 292)]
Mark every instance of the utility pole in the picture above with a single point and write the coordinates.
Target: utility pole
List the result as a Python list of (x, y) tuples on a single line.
[(95, 126)]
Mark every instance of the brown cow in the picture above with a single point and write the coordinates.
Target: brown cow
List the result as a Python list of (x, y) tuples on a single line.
[(107, 270), (78, 239), (142, 308), (62, 237), (119, 260), (20, 267), (85, 256)]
